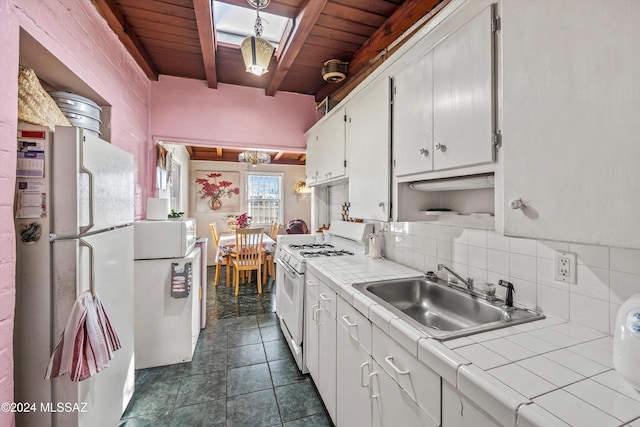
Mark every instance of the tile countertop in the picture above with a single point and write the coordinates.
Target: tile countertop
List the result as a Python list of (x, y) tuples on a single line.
[(550, 372)]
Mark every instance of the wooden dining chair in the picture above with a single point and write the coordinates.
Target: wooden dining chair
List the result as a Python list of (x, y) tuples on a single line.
[(268, 267), (248, 255), (226, 260)]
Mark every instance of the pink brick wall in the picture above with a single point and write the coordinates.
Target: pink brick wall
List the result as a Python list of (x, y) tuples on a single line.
[(229, 116), (76, 34)]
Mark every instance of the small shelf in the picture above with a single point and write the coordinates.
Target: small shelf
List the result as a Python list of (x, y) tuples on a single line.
[(481, 221)]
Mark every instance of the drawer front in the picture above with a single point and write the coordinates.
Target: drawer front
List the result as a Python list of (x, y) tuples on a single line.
[(420, 382), (311, 282), (327, 298), (358, 326)]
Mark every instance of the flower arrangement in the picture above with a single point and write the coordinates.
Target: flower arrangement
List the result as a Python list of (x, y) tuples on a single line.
[(215, 190), (238, 221)]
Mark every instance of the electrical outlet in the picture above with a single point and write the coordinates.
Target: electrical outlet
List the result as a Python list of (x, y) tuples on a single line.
[(565, 267)]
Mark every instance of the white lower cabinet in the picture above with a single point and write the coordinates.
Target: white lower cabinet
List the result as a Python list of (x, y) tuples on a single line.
[(458, 411), (391, 405), (354, 364), (414, 377), (320, 339)]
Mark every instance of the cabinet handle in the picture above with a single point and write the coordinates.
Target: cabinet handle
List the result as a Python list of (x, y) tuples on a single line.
[(318, 310), (516, 204), (371, 394), (314, 311), (323, 297), (389, 359), (309, 283), (424, 152), (362, 384), (346, 320), (441, 147)]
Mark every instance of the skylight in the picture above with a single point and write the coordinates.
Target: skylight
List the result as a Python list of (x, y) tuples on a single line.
[(234, 23)]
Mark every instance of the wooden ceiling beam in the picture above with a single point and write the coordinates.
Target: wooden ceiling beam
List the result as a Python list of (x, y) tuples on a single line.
[(305, 20), (278, 155), (366, 59), (119, 25), (204, 19), (219, 152)]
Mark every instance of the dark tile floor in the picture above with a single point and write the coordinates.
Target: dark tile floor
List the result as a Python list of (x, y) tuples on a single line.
[(242, 373)]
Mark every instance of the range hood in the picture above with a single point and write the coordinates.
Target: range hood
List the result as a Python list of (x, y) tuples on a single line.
[(470, 182)]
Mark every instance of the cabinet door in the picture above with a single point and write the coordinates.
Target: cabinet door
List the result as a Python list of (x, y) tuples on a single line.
[(311, 309), (458, 411), (391, 406), (332, 150), (327, 360), (353, 366), (571, 123), (368, 153), (313, 157), (413, 118), (463, 95)]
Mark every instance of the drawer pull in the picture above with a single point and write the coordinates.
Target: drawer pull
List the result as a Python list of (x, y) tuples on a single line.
[(323, 297), (349, 324), (314, 311), (309, 283), (389, 360), (362, 384)]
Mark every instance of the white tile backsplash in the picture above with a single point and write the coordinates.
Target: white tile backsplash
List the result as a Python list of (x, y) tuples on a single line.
[(606, 276)]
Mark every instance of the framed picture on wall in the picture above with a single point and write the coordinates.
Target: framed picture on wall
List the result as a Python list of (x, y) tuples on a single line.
[(217, 191)]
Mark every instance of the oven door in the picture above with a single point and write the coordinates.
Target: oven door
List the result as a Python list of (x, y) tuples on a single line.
[(289, 300)]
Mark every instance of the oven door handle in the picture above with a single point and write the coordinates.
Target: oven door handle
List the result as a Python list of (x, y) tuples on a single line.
[(291, 272)]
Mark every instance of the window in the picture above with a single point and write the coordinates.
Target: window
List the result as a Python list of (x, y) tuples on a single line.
[(264, 198), (234, 23)]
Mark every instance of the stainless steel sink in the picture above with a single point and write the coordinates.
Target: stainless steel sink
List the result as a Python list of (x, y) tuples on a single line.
[(441, 311)]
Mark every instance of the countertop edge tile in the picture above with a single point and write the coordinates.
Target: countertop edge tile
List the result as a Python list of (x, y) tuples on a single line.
[(490, 394), (533, 415), (406, 335), (444, 361)]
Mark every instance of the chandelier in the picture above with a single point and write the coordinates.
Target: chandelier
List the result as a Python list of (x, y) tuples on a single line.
[(256, 51), (254, 158)]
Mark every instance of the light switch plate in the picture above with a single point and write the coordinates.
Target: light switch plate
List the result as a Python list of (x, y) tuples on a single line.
[(565, 267)]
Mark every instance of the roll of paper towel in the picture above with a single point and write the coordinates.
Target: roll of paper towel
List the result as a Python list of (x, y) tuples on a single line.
[(157, 209)]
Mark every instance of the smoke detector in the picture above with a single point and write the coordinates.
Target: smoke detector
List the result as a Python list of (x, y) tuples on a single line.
[(334, 70)]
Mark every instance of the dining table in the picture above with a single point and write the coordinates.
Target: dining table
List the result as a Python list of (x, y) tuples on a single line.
[(227, 244)]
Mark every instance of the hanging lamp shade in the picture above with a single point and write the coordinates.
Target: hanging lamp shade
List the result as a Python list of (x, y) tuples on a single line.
[(257, 53)]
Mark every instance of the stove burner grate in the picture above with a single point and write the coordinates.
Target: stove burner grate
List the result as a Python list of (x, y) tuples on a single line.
[(311, 246), (317, 254)]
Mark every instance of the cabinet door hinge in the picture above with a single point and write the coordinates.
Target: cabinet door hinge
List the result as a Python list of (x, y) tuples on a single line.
[(345, 163), (495, 24), (496, 138), (345, 117)]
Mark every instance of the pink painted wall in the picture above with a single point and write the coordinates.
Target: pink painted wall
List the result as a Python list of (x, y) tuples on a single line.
[(187, 110), (74, 32)]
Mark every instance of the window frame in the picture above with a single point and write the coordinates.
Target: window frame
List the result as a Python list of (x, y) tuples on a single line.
[(280, 175)]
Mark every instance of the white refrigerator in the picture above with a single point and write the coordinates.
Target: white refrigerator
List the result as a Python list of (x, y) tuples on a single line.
[(85, 242)]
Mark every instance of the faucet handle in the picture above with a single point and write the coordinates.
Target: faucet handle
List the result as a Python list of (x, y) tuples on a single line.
[(508, 298)]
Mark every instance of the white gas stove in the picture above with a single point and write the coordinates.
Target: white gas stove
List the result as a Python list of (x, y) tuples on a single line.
[(292, 253)]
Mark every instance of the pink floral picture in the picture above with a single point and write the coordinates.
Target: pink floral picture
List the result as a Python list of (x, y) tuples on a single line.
[(217, 191)]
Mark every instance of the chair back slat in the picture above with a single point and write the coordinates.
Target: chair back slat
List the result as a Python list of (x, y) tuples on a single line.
[(214, 233), (249, 246), (275, 227)]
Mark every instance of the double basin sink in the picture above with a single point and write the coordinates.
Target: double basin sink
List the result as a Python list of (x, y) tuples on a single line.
[(441, 311)]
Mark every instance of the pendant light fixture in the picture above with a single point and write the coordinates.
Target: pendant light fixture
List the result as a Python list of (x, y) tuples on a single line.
[(256, 51), (254, 158)]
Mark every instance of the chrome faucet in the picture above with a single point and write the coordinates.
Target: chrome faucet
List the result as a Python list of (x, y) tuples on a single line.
[(468, 282)]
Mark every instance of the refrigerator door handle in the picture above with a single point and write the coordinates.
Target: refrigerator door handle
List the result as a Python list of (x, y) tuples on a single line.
[(83, 169), (92, 274)]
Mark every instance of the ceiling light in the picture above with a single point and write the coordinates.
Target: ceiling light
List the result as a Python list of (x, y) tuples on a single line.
[(254, 158), (256, 51)]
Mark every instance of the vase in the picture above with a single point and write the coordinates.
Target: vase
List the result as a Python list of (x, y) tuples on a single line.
[(215, 204)]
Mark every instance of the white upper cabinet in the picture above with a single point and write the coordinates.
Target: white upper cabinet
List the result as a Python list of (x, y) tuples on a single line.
[(570, 121), (443, 104), (413, 117), (326, 149), (368, 152), (463, 95)]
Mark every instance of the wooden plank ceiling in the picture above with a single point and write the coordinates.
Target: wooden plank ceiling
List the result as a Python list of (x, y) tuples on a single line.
[(220, 154), (177, 38)]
